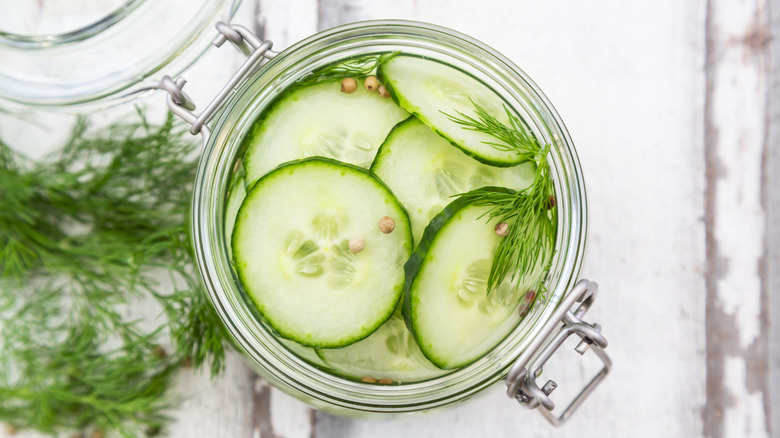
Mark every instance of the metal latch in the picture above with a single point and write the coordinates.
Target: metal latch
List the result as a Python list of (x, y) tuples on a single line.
[(244, 40), (521, 379)]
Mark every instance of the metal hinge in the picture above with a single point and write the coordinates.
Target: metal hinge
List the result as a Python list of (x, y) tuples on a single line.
[(180, 104), (521, 379)]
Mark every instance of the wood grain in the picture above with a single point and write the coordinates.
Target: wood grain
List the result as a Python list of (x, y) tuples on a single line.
[(628, 80), (736, 138), (673, 108), (771, 185)]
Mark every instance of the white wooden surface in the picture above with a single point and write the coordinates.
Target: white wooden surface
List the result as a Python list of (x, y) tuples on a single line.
[(669, 105)]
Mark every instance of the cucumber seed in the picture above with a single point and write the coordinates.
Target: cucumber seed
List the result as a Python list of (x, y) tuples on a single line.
[(348, 85), (386, 224), (502, 229), (371, 83), (357, 244), (383, 92)]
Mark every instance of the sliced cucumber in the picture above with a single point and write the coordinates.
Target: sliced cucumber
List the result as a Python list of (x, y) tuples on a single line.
[(321, 120), (390, 354), (425, 171), (308, 354), (292, 256), (235, 197), (454, 320), (431, 90)]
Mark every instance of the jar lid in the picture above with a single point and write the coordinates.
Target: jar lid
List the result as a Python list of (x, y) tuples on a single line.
[(97, 52)]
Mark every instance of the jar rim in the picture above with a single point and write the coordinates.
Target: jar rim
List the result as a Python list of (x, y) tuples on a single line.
[(277, 364), (106, 61), (80, 32)]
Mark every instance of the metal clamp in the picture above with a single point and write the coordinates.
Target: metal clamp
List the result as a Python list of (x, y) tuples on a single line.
[(521, 379), (181, 105)]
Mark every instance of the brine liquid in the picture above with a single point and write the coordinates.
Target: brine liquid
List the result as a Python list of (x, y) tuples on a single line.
[(428, 180)]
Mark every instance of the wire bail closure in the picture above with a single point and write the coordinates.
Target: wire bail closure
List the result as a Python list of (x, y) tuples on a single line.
[(521, 378), (180, 104)]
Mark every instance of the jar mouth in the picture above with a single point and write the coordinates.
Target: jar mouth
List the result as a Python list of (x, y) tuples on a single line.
[(48, 29), (266, 353)]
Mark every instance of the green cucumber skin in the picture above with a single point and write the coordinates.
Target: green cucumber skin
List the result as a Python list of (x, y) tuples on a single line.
[(405, 104), (393, 132), (257, 311), (415, 263)]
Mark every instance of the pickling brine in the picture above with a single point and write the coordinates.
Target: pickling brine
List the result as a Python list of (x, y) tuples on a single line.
[(391, 219)]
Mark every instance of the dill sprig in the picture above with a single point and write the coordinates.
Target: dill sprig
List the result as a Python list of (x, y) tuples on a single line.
[(84, 233), (358, 67), (530, 213), (515, 137)]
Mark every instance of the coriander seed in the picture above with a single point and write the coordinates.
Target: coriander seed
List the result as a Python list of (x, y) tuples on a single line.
[(383, 92), (502, 229), (386, 224), (372, 83), (357, 244), (348, 85)]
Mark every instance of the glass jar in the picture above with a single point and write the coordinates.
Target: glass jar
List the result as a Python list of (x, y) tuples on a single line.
[(97, 53), (210, 221)]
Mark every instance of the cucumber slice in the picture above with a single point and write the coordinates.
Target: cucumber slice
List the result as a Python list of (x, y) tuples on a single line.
[(291, 251), (321, 120), (389, 353), (308, 354), (425, 171), (429, 89), (454, 320), (235, 197)]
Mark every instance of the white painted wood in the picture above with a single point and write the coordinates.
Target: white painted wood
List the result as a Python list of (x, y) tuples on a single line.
[(214, 408), (739, 101), (288, 22), (629, 81), (737, 134), (772, 187)]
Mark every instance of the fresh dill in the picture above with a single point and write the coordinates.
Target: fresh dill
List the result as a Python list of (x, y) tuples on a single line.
[(358, 67), (84, 233), (530, 212), (515, 137)]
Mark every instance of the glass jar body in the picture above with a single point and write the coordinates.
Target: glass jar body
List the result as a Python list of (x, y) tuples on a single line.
[(96, 54), (210, 221)]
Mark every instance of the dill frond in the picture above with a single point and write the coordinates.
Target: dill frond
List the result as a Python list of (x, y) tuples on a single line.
[(352, 68), (530, 213), (83, 232)]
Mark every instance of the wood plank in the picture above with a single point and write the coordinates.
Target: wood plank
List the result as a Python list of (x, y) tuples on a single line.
[(628, 80), (736, 138), (675, 228), (275, 413), (771, 190)]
